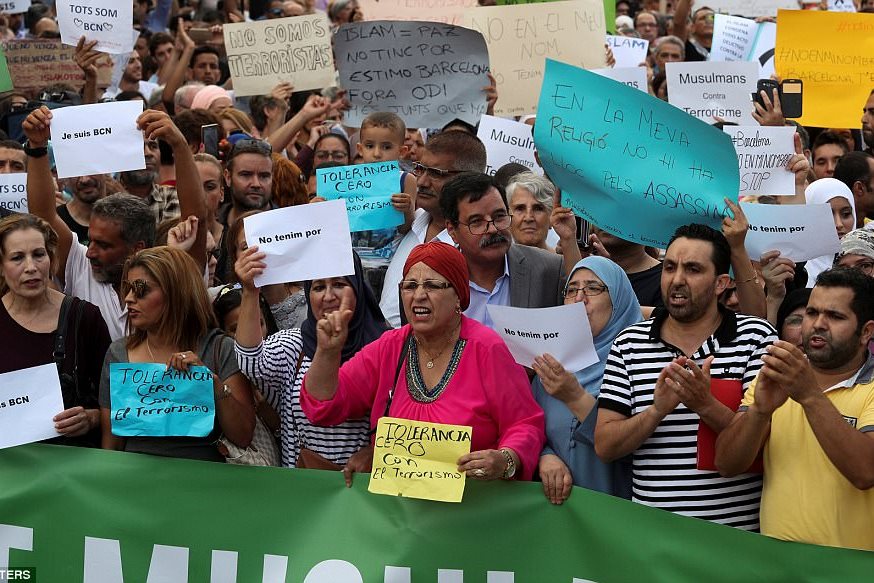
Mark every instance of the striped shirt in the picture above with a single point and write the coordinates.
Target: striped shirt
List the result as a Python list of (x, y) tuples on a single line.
[(665, 473), (271, 366)]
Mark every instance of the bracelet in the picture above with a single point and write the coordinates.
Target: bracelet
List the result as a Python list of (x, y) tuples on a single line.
[(35, 151), (754, 278)]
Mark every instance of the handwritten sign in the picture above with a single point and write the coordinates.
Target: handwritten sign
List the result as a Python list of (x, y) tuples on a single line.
[(264, 53), (562, 331), (14, 6), (520, 37), (628, 162), (752, 8), (762, 155), (733, 38), (149, 399), (13, 192), (417, 459), (833, 54), (444, 11), (707, 90), (507, 141), (106, 21), (98, 138), (35, 63), (609, 10), (628, 51), (631, 76), (302, 242), (799, 231), (29, 399), (367, 190), (427, 73)]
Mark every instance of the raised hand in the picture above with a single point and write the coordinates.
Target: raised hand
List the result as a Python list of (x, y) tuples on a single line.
[(333, 329)]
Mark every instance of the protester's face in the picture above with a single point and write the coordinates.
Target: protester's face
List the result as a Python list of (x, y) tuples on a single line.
[(326, 295), (348, 14), (163, 53), (430, 313), (107, 251), (728, 298), (211, 179), (144, 313), (413, 142), (668, 53), (842, 213), (331, 149), (220, 104), (378, 144), (825, 158), (530, 218), (830, 330), (206, 69), (142, 46), (647, 26), (152, 152), (860, 262), (599, 307), (26, 263), (868, 121), (622, 9), (791, 331), (703, 24), (250, 179), (12, 161), (88, 189), (134, 69), (689, 283), (428, 188), (490, 247)]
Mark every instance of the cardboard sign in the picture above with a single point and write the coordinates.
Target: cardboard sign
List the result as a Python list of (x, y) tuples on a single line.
[(762, 155), (106, 21), (799, 231), (628, 162), (632, 76), (520, 37), (427, 73), (265, 53), (13, 191), (609, 10), (628, 51), (752, 8), (507, 141), (35, 63), (302, 242), (708, 90), (29, 400), (149, 399), (14, 6), (443, 11), (366, 189), (417, 459)]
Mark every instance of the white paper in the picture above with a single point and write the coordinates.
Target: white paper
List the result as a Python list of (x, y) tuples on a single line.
[(14, 6), (631, 76), (309, 241), (799, 231), (507, 141), (106, 21), (732, 38), (98, 138), (562, 331), (762, 155), (29, 399), (841, 6), (762, 51), (628, 51), (13, 191), (752, 8), (706, 90)]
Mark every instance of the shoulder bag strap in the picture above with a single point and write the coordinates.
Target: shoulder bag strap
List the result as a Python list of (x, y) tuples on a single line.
[(61, 333)]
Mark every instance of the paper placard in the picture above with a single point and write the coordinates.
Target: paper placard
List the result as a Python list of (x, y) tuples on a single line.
[(35, 63), (106, 21), (309, 241), (799, 231), (97, 139), (14, 6), (366, 190), (762, 155), (627, 50), (29, 399), (632, 76), (426, 72), (507, 141), (13, 192), (733, 38), (707, 90), (562, 331), (149, 399), (628, 162), (520, 37), (444, 11), (752, 8), (417, 459), (264, 53)]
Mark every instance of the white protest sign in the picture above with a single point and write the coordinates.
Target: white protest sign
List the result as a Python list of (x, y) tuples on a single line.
[(762, 51), (799, 231), (841, 6), (29, 399), (762, 155), (628, 51), (732, 38), (631, 76), (752, 8), (706, 90), (265, 53), (302, 242), (13, 192), (507, 141), (562, 331), (14, 6), (97, 139), (106, 21)]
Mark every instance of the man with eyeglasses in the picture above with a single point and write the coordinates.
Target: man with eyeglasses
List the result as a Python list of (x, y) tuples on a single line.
[(502, 273), (646, 23), (698, 35), (856, 170)]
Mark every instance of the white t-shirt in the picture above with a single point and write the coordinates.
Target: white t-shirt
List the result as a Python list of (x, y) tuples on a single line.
[(79, 281)]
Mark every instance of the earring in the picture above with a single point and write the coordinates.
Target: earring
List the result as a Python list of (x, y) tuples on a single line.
[(457, 309)]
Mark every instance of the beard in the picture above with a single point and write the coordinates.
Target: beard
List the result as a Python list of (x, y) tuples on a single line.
[(139, 178), (692, 310), (111, 275), (834, 354)]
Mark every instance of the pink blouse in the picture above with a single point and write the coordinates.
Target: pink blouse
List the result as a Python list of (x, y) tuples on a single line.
[(488, 391)]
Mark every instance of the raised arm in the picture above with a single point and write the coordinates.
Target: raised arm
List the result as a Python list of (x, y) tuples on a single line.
[(184, 48), (750, 294), (86, 58), (682, 9), (282, 136), (331, 333)]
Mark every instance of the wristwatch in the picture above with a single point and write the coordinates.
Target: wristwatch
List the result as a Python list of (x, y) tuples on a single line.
[(510, 471), (37, 152)]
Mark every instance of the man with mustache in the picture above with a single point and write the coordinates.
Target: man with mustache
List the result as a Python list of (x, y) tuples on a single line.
[(86, 191), (502, 273), (666, 379), (813, 414)]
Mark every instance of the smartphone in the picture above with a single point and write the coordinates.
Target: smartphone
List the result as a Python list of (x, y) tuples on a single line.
[(791, 97), (200, 35), (583, 231), (768, 86), (209, 138)]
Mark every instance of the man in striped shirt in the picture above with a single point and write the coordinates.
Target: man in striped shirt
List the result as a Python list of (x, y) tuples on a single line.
[(673, 382)]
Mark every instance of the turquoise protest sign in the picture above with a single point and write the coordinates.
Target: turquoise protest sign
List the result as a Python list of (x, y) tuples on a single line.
[(628, 162), (149, 399), (367, 190)]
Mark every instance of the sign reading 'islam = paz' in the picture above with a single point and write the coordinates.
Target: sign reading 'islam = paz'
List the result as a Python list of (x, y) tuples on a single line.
[(628, 162)]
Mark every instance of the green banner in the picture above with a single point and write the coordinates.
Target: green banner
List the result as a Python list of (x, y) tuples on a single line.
[(609, 10), (106, 517)]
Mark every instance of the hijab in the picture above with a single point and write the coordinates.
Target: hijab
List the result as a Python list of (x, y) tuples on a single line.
[(367, 322), (821, 192)]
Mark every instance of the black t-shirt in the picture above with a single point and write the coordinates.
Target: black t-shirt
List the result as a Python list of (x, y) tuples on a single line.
[(693, 52), (647, 286), (80, 230)]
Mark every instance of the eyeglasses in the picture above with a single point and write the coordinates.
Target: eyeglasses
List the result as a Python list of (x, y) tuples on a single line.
[(429, 285), (481, 226), (139, 287), (435, 173), (336, 156), (589, 290)]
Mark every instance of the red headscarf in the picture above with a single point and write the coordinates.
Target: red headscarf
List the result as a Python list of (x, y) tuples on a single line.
[(448, 262)]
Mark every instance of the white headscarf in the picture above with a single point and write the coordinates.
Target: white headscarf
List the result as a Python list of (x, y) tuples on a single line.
[(821, 192)]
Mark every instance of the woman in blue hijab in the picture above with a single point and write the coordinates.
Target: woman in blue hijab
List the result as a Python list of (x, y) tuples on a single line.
[(569, 399)]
